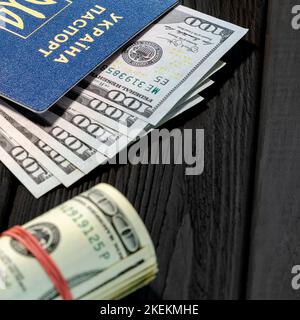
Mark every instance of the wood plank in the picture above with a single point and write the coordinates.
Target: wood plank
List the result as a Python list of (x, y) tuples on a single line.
[(276, 224), (198, 224), (8, 185)]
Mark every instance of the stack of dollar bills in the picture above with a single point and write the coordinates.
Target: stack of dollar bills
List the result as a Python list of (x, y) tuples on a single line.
[(153, 79)]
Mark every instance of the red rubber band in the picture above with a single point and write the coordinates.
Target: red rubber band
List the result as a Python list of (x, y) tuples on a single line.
[(44, 259)]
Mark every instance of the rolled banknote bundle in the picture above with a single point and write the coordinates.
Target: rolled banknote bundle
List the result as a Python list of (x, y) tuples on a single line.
[(98, 243)]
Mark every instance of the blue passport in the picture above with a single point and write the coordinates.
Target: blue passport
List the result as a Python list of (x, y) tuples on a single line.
[(47, 46)]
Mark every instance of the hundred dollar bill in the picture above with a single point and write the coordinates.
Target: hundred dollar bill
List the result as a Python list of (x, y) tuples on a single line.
[(34, 176), (61, 168), (195, 100), (82, 156), (76, 114), (118, 119), (105, 113), (108, 115), (204, 85), (72, 118), (176, 112), (113, 255), (155, 72)]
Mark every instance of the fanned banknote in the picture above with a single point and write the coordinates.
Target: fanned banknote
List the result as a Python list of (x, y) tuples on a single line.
[(160, 67), (158, 76)]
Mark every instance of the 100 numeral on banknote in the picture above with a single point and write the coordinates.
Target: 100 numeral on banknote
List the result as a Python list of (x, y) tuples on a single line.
[(157, 70)]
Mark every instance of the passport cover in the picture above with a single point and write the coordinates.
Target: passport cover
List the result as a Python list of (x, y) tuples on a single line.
[(47, 46)]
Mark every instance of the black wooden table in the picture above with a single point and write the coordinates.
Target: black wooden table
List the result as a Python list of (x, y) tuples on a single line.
[(232, 232)]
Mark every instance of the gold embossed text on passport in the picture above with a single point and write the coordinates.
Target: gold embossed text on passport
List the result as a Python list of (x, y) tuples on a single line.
[(23, 17)]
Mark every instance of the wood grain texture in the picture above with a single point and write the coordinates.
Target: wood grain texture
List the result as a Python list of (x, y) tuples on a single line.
[(199, 224), (276, 224), (8, 185)]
